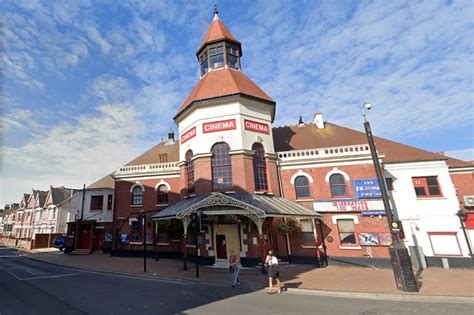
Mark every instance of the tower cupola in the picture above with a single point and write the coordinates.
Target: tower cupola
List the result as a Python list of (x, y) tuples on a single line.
[(219, 49)]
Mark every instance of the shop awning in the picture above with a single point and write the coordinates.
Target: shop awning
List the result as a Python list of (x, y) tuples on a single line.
[(259, 205)]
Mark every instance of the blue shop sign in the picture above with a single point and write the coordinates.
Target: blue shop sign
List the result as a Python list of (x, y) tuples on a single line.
[(367, 188)]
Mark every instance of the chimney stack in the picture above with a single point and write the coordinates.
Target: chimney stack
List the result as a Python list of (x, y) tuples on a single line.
[(318, 120)]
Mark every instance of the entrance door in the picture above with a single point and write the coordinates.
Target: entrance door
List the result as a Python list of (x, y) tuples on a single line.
[(221, 248), (85, 237), (99, 238)]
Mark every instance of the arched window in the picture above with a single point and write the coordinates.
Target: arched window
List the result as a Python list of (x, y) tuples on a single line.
[(137, 196), (221, 167), (162, 194), (338, 185), (189, 171), (259, 167), (302, 187)]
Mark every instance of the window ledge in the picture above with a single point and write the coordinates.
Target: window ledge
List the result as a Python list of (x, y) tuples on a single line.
[(431, 198), (191, 246), (136, 243), (350, 247), (303, 200), (136, 206), (163, 244), (162, 204), (176, 241)]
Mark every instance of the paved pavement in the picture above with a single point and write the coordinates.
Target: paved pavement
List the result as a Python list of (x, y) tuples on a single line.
[(33, 287), (434, 281)]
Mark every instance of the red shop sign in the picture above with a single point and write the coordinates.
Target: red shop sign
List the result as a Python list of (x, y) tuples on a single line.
[(256, 126), (191, 133), (220, 125)]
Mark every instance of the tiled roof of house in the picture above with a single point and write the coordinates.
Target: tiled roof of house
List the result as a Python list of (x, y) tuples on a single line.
[(309, 136), (105, 182), (454, 163), (42, 195), (160, 153), (60, 193), (223, 82)]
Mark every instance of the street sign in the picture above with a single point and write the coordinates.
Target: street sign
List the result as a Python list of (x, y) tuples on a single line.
[(367, 188)]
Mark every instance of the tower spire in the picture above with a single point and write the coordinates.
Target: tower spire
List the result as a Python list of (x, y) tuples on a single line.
[(216, 12)]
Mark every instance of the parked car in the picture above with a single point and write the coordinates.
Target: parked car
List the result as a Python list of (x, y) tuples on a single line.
[(59, 242)]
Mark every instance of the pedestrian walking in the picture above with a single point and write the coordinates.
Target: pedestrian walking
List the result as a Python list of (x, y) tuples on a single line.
[(234, 268), (271, 262)]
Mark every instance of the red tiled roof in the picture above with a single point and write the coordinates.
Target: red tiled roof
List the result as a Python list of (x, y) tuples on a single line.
[(152, 156), (309, 137), (217, 31), (223, 82), (453, 163), (105, 182)]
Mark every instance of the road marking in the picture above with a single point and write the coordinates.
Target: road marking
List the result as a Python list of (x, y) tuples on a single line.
[(50, 277), (137, 277)]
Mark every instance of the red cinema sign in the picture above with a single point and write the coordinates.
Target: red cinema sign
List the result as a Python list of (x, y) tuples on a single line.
[(256, 126), (221, 125), (188, 135)]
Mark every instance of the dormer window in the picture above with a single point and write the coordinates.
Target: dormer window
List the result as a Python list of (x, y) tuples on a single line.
[(216, 57), (232, 57), (204, 63)]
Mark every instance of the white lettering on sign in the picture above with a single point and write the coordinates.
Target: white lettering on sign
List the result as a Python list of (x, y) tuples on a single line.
[(191, 133), (256, 126), (221, 125), (348, 205)]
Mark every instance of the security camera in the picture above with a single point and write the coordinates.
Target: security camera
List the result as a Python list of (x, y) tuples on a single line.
[(367, 105)]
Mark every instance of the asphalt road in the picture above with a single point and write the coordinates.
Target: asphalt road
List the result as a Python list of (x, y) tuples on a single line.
[(32, 287)]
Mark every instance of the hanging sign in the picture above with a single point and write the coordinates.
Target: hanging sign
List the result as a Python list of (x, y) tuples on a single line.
[(367, 188), (256, 126), (221, 125), (191, 133)]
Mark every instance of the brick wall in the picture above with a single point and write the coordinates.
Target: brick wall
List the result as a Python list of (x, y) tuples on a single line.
[(464, 183)]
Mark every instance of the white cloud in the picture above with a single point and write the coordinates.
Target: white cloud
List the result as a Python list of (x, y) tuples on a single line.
[(77, 153), (97, 39)]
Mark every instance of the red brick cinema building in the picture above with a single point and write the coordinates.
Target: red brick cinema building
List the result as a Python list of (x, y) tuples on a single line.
[(303, 190)]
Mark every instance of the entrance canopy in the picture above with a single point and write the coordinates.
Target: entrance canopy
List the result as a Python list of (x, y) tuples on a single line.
[(259, 205), (256, 207)]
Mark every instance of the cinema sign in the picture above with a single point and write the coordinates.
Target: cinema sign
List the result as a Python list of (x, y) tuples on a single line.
[(221, 125), (256, 126), (188, 135)]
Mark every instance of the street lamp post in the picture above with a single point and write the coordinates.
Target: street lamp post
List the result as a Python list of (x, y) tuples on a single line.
[(401, 263)]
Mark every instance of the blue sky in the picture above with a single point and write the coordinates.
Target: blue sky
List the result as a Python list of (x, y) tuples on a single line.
[(88, 85)]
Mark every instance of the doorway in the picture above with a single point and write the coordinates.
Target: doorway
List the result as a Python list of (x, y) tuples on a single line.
[(99, 238), (85, 237), (221, 247)]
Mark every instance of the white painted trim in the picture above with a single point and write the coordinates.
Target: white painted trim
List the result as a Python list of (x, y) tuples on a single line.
[(314, 164), (127, 178), (301, 173), (162, 182), (137, 183), (335, 170), (345, 216), (350, 247)]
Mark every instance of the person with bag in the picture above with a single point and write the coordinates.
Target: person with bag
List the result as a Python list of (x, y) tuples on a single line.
[(273, 272), (234, 268)]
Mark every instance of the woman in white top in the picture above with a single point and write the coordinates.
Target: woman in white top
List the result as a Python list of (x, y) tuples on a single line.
[(273, 271)]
